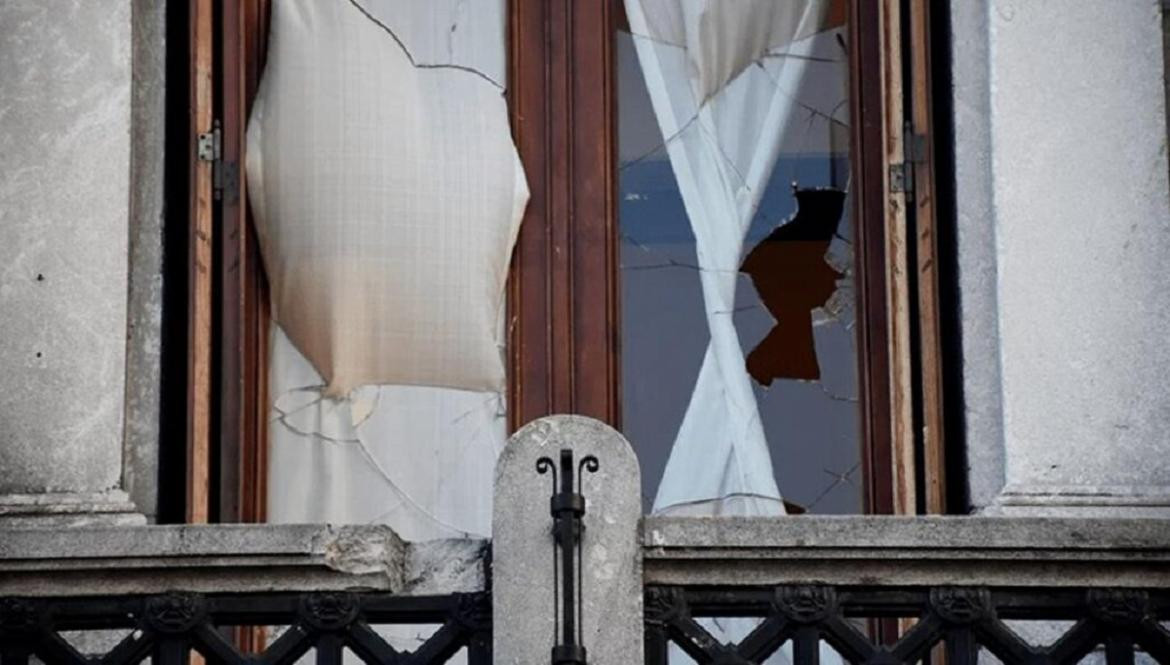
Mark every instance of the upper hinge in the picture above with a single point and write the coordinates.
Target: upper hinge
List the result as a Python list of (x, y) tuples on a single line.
[(224, 174), (914, 151), (209, 145)]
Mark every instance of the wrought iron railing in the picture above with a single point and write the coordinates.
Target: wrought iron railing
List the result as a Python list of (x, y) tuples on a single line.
[(168, 628), (875, 590), (963, 620), (907, 590)]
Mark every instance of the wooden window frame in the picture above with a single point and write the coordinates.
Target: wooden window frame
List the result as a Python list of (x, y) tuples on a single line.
[(563, 319), (244, 298), (564, 310), (227, 294)]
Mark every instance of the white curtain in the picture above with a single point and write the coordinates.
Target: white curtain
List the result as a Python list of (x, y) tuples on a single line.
[(386, 188), (721, 76), (419, 459), (722, 102), (388, 193)]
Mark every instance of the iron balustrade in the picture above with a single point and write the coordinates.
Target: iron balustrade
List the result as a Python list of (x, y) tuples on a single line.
[(875, 589), (963, 620), (168, 628)]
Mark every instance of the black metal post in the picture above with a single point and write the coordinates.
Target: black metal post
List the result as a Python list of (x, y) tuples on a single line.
[(567, 507)]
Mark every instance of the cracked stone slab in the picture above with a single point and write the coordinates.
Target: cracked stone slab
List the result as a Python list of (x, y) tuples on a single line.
[(232, 558), (927, 551)]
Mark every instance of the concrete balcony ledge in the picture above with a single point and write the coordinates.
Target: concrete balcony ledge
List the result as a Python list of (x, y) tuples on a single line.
[(907, 551), (232, 559), (858, 550)]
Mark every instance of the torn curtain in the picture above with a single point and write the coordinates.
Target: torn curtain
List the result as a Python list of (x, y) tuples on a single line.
[(723, 99), (722, 105), (387, 194), (386, 189)]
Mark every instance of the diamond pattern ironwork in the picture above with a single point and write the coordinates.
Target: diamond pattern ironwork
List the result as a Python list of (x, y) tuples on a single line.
[(168, 628), (963, 620)]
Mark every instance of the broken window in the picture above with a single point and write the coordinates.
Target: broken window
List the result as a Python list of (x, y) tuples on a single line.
[(387, 195), (740, 388)]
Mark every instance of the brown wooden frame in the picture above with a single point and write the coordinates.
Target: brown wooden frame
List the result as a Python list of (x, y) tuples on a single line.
[(244, 303), (925, 205), (563, 310), (563, 321), (227, 291), (199, 264), (867, 112), (897, 260)]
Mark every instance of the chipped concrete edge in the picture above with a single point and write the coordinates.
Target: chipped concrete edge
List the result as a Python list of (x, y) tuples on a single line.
[(232, 558), (364, 551)]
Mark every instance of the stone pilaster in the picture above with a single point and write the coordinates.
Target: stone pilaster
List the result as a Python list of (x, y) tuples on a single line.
[(65, 99), (1064, 232)]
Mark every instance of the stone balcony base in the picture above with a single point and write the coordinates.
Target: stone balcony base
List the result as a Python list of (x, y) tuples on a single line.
[(232, 559)]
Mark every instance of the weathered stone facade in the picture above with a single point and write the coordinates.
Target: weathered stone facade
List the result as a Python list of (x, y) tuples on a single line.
[(1063, 224)]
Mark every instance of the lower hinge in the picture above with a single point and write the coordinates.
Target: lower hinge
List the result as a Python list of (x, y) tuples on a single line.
[(902, 178), (225, 181)]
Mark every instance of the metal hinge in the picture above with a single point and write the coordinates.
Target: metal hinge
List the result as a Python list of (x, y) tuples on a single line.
[(914, 150), (902, 178), (210, 144), (224, 175)]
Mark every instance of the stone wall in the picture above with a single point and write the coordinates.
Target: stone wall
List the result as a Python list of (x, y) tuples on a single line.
[(81, 188), (1063, 229)]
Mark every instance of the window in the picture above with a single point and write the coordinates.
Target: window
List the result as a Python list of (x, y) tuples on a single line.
[(582, 323), (569, 342), (793, 310)]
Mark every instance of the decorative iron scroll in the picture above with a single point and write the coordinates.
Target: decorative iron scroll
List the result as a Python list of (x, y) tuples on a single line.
[(168, 628), (965, 620), (567, 508)]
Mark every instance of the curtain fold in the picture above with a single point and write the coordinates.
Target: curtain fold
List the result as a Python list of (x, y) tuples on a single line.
[(387, 193), (386, 189), (722, 95), (722, 92), (417, 458)]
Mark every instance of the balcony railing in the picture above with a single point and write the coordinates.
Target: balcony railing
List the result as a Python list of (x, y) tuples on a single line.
[(873, 590), (965, 620), (899, 590), (240, 594), (168, 627)]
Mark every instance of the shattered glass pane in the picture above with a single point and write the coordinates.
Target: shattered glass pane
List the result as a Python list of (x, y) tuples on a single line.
[(794, 306)]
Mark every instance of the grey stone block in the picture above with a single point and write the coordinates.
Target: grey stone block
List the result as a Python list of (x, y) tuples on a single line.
[(523, 547), (67, 140), (232, 558), (1063, 207), (872, 550)]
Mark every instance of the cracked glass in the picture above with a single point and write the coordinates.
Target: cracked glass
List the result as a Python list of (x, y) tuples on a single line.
[(793, 310), (355, 250)]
